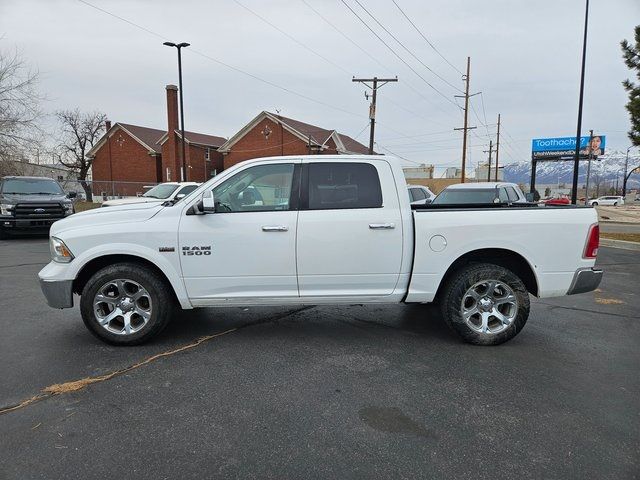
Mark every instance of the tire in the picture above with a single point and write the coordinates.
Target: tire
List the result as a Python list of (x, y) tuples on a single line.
[(594, 204), (615, 204), (471, 285), (133, 298), (3, 234)]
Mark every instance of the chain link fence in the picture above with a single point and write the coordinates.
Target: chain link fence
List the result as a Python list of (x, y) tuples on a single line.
[(101, 191)]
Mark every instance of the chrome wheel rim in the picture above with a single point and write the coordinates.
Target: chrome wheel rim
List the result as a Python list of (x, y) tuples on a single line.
[(122, 306), (489, 307)]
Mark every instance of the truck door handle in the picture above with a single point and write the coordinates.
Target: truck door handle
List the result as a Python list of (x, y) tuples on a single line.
[(274, 228), (382, 226)]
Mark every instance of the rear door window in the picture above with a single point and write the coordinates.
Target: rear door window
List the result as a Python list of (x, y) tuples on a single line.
[(342, 185)]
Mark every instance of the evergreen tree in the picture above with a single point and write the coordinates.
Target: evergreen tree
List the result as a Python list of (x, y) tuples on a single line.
[(631, 55)]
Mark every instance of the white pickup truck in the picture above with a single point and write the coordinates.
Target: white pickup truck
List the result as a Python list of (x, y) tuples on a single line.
[(317, 230)]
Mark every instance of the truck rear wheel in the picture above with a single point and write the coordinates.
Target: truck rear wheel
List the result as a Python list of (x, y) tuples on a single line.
[(485, 304), (126, 304)]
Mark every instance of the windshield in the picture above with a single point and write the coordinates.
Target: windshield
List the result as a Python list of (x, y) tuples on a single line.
[(461, 196), (161, 191), (31, 186)]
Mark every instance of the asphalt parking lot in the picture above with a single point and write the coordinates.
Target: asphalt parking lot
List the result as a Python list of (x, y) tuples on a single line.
[(322, 392)]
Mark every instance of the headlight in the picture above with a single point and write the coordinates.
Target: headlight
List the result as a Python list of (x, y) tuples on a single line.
[(6, 208), (68, 208), (59, 251)]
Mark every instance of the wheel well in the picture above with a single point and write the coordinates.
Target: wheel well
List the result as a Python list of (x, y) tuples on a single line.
[(498, 256), (98, 263)]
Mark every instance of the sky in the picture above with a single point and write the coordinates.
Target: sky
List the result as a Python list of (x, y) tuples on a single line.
[(298, 57)]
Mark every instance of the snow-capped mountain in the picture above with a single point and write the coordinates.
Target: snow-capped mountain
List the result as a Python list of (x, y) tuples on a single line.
[(605, 169)]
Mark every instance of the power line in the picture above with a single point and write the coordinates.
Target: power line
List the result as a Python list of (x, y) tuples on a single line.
[(484, 112), (426, 39), (231, 67), (292, 38), (405, 48), (420, 135), (350, 40), (361, 131), (399, 57)]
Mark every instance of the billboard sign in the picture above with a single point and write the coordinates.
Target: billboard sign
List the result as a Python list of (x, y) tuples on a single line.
[(563, 148)]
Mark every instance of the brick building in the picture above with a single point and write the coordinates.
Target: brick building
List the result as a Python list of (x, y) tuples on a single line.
[(269, 134), (131, 153)]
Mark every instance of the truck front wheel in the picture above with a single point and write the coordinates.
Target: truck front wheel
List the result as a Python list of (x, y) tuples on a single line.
[(126, 304), (485, 304)]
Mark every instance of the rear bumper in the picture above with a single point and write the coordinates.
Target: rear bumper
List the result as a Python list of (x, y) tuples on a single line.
[(59, 294), (585, 280)]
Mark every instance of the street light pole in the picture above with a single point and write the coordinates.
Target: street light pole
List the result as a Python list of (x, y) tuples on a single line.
[(576, 160), (179, 47)]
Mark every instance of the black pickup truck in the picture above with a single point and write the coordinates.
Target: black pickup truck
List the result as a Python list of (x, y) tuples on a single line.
[(32, 204)]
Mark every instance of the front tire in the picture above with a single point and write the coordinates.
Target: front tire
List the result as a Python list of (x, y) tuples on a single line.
[(126, 304), (615, 204), (485, 304), (594, 204)]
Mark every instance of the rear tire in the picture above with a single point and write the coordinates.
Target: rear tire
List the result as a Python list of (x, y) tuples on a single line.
[(615, 204), (594, 204), (485, 304), (126, 304)]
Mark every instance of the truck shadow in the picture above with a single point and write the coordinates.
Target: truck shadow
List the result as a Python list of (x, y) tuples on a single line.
[(417, 320)]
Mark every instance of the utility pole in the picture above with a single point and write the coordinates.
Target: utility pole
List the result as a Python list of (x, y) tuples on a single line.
[(586, 195), (466, 117), (576, 160), (490, 151), (372, 83), (497, 147), (626, 167)]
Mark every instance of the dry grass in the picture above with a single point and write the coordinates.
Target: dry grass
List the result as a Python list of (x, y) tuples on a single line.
[(627, 237), (82, 206), (608, 301)]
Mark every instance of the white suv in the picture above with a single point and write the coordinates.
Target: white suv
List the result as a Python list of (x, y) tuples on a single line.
[(608, 200), (161, 192)]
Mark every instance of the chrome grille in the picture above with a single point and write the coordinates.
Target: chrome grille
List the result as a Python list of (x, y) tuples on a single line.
[(38, 210)]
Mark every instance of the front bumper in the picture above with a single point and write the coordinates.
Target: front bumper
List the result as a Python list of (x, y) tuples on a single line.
[(585, 280), (59, 294), (10, 223)]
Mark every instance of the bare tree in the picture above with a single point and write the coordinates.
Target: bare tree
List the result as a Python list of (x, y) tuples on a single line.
[(80, 131), (19, 109)]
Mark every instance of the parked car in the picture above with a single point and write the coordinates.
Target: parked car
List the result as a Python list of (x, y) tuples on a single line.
[(420, 195), (608, 200), (562, 200), (481, 193), (328, 230), (32, 204), (161, 192)]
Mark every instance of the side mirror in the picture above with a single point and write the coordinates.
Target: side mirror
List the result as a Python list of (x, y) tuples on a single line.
[(180, 196), (529, 197), (427, 201), (72, 194), (208, 202)]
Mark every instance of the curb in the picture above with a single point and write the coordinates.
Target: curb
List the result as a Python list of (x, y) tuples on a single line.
[(609, 242)]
